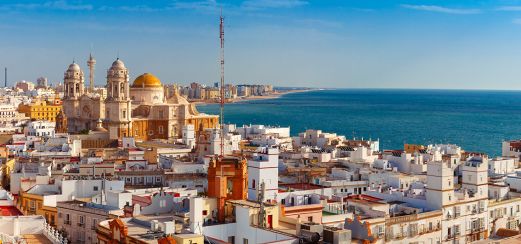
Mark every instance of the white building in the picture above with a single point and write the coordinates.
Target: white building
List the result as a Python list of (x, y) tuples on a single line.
[(189, 136), (502, 166), (252, 131), (10, 119), (511, 149), (40, 128), (263, 168), (27, 229)]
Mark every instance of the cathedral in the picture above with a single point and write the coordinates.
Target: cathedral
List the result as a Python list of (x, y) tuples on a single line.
[(141, 109)]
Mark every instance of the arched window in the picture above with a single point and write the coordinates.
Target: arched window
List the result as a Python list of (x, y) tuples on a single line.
[(77, 88)]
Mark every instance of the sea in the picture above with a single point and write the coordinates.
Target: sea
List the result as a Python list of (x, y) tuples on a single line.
[(476, 120)]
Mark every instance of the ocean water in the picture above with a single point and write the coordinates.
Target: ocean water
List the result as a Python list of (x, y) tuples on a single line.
[(475, 120)]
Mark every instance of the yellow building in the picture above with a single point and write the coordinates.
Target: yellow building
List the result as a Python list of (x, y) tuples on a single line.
[(212, 93), (6, 171), (41, 110), (31, 204)]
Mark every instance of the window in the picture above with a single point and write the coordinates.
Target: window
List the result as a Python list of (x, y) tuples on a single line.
[(310, 218), (124, 114), (95, 188), (244, 241), (160, 129), (253, 184), (205, 212), (283, 201)]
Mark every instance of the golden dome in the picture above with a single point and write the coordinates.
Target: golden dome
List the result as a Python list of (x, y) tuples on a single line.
[(146, 80)]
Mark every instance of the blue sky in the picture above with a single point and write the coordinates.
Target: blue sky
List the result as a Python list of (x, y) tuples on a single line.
[(353, 44)]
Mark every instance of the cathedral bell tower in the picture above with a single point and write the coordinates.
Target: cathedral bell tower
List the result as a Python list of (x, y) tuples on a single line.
[(118, 104), (73, 80)]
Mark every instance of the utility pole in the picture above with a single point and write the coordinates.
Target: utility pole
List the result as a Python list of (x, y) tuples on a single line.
[(221, 37)]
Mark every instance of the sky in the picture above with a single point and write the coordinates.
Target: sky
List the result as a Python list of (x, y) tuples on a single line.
[(326, 43)]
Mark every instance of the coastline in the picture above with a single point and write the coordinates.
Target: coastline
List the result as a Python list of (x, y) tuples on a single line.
[(274, 95)]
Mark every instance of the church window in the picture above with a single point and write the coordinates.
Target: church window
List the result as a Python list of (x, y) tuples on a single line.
[(124, 113)]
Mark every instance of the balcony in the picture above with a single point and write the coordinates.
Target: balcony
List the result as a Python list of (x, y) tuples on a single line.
[(454, 236), (402, 219), (477, 230)]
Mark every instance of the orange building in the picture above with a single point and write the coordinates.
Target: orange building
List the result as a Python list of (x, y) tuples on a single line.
[(412, 148), (227, 180)]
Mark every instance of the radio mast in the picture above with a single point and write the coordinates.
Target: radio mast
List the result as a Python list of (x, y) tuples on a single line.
[(221, 122)]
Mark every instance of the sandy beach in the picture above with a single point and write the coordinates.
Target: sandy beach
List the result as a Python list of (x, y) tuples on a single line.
[(251, 98)]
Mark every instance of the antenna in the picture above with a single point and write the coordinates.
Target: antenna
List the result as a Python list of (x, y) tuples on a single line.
[(221, 37)]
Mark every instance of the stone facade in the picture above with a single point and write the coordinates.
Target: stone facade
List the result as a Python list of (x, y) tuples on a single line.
[(140, 110)]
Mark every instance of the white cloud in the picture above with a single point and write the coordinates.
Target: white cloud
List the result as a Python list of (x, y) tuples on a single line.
[(509, 8), (64, 5), (440, 9), (319, 23), (263, 4), (207, 5), (56, 5), (136, 8)]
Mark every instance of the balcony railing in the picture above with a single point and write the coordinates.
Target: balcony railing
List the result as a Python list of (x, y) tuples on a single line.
[(478, 229)]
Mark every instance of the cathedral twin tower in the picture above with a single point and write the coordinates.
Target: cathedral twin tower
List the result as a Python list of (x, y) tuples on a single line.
[(85, 110)]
